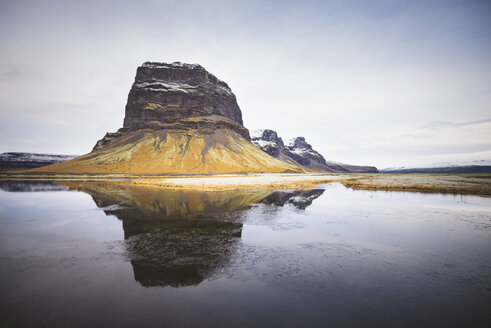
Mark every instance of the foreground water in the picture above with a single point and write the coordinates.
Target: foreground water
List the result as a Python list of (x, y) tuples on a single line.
[(94, 254)]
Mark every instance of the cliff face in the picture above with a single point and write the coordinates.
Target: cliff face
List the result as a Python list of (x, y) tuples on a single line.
[(179, 118), (181, 96), (298, 152)]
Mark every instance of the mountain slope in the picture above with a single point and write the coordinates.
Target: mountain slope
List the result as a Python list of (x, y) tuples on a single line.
[(173, 152)]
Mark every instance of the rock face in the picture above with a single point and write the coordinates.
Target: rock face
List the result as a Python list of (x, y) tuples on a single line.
[(179, 118), (298, 152), (172, 95)]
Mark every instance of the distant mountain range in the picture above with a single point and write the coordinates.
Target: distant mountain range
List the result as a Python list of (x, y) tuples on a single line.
[(13, 161), (443, 169)]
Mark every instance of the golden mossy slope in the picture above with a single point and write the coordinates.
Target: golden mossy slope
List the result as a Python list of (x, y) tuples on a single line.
[(173, 152)]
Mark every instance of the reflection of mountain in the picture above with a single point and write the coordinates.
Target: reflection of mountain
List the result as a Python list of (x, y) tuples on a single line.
[(14, 186), (299, 199), (174, 238), (179, 238)]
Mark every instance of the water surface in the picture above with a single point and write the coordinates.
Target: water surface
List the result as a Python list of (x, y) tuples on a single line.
[(96, 254)]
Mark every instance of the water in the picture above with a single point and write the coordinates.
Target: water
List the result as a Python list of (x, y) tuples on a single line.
[(95, 254)]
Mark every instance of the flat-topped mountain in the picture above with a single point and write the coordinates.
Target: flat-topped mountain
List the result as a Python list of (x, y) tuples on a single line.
[(179, 118), (298, 152)]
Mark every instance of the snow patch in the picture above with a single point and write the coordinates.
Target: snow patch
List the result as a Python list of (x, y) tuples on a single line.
[(289, 142), (257, 134), (263, 143), (166, 86), (171, 65)]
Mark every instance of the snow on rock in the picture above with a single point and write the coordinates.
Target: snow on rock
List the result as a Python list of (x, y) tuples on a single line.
[(34, 157), (298, 152), (172, 65), (263, 143), (256, 134)]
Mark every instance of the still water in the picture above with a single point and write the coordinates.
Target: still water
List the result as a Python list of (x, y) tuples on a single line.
[(104, 255)]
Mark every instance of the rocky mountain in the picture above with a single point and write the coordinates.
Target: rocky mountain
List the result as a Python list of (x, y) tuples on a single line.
[(179, 119), (22, 161), (298, 152)]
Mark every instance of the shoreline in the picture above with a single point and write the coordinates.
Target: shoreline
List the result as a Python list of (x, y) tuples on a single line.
[(459, 183), (236, 182)]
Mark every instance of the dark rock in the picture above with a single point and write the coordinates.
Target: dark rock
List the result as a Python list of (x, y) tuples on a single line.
[(269, 142), (171, 95), (304, 152)]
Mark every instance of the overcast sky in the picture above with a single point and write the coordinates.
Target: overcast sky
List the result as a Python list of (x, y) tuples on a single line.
[(386, 83)]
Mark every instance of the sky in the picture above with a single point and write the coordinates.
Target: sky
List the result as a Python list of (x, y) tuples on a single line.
[(385, 83)]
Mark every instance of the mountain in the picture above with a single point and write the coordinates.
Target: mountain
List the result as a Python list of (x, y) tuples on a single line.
[(444, 169), (298, 152), (179, 119), (23, 161)]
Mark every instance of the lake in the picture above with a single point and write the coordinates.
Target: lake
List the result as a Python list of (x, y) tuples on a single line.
[(98, 254)]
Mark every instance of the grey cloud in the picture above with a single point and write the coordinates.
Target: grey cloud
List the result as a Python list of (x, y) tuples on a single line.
[(439, 125)]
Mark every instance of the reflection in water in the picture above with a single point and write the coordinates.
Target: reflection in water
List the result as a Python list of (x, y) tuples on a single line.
[(248, 259), (180, 238), (13, 186), (299, 199)]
